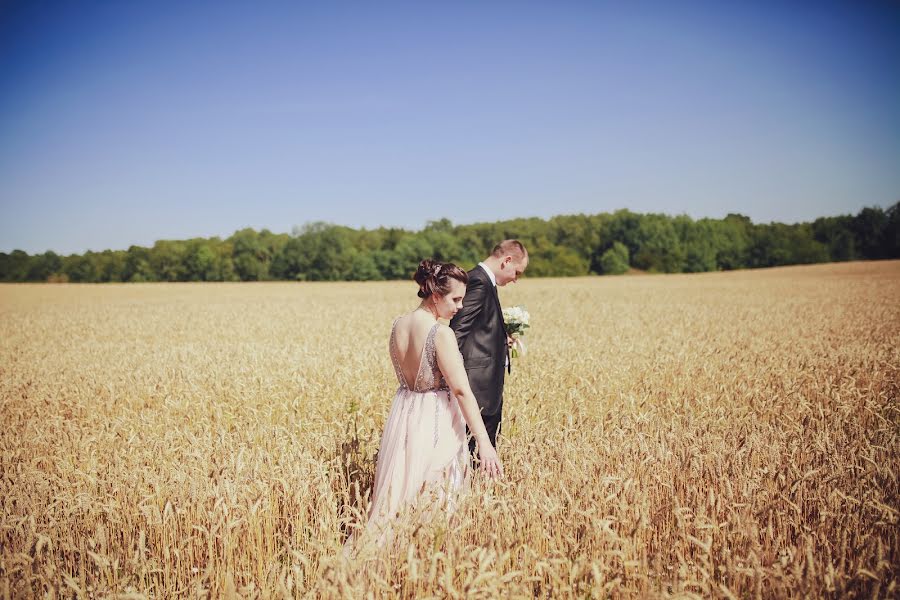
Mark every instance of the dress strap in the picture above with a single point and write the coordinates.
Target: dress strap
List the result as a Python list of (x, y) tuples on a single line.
[(426, 378), (392, 346), (429, 344), (425, 375)]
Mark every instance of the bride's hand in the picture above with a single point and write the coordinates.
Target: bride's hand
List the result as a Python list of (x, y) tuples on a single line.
[(490, 462)]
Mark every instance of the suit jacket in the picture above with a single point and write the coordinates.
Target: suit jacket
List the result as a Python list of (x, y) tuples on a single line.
[(481, 336)]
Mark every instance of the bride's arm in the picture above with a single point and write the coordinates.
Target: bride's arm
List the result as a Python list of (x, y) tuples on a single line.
[(450, 363)]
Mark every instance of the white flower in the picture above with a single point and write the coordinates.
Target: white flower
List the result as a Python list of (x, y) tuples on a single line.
[(517, 320), (516, 315)]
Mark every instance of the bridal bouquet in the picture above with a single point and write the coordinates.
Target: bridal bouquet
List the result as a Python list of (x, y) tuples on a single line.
[(516, 319)]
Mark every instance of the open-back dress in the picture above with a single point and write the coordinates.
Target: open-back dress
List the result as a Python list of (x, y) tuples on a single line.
[(423, 448)]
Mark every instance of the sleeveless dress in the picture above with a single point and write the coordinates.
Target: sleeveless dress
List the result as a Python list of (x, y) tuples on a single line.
[(423, 453)]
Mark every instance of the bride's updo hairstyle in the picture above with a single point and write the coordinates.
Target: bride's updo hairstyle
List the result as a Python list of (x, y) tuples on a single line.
[(435, 277)]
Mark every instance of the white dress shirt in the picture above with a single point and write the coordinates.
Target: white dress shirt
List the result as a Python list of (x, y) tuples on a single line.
[(489, 273)]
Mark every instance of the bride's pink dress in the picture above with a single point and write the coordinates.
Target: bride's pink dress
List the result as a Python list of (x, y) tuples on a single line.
[(423, 450)]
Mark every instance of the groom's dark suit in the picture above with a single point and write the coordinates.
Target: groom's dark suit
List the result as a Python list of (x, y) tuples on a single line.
[(481, 336)]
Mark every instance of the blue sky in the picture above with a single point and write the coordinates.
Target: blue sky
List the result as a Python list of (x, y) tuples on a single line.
[(126, 122)]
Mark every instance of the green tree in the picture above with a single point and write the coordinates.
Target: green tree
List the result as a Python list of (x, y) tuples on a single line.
[(317, 252), (201, 261), (699, 242), (836, 233), (577, 232), (43, 266), (556, 261), (615, 260), (225, 270), (561, 246), (391, 265), (891, 241), (869, 227), (622, 226), (733, 237), (167, 260), (288, 263), (110, 265), (778, 244), (442, 243), (363, 267), (253, 253), (405, 258), (658, 245), (330, 253), (80, 268), (14, 266), (137, 265)]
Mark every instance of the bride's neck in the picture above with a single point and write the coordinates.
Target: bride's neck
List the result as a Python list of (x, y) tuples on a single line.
[(427, 308)]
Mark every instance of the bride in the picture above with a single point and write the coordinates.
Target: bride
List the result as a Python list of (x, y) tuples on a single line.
[(423, 447)]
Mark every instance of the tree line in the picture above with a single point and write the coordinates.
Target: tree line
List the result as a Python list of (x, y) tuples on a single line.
[(568, 245)]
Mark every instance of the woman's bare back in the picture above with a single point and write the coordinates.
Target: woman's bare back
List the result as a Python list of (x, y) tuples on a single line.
[(410, 335)]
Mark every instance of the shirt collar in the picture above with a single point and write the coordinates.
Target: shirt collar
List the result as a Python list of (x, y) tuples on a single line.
[(489, 272)]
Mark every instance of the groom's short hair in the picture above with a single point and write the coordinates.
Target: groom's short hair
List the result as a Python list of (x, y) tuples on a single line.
[(511, 248)]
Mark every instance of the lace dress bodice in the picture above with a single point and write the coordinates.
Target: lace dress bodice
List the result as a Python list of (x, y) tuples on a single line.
[(428, 377)]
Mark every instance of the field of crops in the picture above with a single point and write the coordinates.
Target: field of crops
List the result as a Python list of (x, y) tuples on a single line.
[(713, 435)]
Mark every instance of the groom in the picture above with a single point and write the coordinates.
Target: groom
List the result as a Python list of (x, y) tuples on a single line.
[(480, 332)]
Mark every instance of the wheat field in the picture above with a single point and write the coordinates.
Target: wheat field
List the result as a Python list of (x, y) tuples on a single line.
[(729, 435)]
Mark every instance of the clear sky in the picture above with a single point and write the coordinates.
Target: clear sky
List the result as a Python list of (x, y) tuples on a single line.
[(126, 122)]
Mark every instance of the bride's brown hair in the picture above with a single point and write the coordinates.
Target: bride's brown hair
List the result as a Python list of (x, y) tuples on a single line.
[(434, 277)]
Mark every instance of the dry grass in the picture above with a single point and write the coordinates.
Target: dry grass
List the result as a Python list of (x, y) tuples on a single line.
[(715, 435)]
